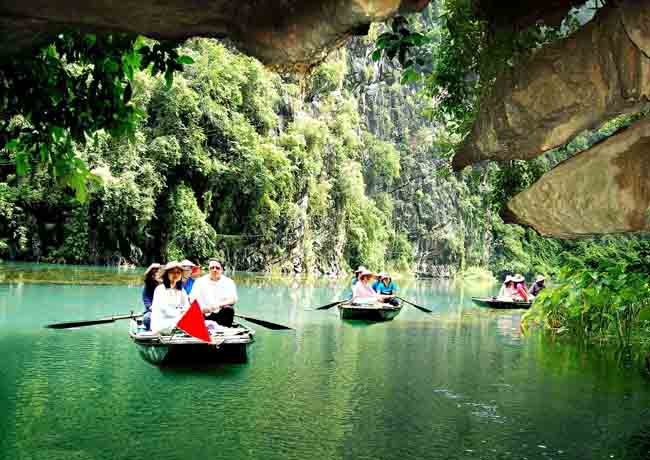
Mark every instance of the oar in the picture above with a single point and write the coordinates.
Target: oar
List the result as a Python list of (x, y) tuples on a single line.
[(426, 310), (333, 304), (92, 322), (266, 324)]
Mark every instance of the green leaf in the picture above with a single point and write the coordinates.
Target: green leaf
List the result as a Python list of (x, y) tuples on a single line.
[(185, 59), (376, 55), (169, 79)]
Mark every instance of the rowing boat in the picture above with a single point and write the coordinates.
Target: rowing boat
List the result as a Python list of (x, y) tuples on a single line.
[(369, 312), (493, 302), (228, 344)]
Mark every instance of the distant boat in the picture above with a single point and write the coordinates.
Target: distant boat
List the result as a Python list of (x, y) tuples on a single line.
[(492, 302), (369, 312), (229, 344)]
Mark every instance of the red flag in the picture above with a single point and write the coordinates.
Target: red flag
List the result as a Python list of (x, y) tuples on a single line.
[(193, 323)]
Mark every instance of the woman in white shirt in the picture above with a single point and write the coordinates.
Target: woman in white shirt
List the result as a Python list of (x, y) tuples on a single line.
[(170, 301)]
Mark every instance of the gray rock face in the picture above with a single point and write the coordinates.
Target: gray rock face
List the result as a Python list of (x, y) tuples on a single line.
[(579, 83), (288, 33), (602, 190)]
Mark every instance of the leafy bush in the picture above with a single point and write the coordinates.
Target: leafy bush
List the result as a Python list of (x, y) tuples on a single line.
[(601, 291)]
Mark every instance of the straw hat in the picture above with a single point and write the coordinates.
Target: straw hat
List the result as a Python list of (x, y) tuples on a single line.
[(151, 267), (169, 266), (539, 278), (365, 272), (508, 279), (187, 263), (383, 275), (518, 278), (361, 269)]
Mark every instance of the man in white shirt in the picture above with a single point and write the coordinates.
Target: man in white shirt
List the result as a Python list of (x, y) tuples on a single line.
[(216, 294)]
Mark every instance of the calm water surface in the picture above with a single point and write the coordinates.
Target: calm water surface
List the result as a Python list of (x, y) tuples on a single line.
[(462, 383)]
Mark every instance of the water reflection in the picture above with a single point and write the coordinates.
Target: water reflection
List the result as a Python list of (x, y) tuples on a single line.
[(462, 383)]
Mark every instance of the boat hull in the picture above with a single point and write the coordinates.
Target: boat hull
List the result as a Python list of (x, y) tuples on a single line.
[(231, 346), (380, 312), (487, 302)]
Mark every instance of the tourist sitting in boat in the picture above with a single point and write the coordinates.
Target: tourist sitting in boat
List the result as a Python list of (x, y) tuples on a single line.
[(362, 291), (507, 289), (521, 292), (385, 286), (170, 301), (150, 285), (537, 286), (358, 271), (216, 294), (186, 280)]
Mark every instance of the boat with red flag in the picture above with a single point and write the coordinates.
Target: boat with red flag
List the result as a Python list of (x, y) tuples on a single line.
[(227, 344)]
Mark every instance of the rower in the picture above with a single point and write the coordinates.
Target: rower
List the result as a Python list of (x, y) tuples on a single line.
[(385, 286), (537, 286), (150, 284)]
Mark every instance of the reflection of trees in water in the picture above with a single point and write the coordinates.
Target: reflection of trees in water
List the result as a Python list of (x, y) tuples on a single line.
[(637, 446)]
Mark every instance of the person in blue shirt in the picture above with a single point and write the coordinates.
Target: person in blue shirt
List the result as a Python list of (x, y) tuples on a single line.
[(386, 286), (151, 282), (187, 282)]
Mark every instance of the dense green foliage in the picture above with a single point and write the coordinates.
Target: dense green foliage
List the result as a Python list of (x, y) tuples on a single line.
[(68, 91), (220, 163), (601, 290)]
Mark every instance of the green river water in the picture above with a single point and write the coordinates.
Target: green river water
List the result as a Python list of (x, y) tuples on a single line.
[(462, 383)]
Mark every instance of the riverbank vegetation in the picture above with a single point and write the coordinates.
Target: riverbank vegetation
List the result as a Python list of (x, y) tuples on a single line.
[(599, 286), (600, 292)]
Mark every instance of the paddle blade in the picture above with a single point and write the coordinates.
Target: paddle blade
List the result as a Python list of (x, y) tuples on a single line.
[(425, 310), (330, 305), (266, 324), (72, 324), (91, 322)]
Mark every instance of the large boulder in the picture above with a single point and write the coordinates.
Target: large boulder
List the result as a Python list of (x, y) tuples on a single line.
[(601, 71), (291, 34), (602, 190)]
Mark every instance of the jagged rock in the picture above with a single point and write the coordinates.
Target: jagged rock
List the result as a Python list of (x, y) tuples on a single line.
[(602, 190), (579, 83), (288, 33)]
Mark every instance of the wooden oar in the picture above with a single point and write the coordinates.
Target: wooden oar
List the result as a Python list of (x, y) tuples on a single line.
[(426, 310), (333, 304), (266, 324), (92, 322)]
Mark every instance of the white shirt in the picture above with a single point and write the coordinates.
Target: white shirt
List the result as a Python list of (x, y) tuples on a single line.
[(209, 292), (167, 308)]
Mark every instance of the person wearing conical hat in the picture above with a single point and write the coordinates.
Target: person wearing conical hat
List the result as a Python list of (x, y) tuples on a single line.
[(150, 285), (507, 289), (386, 287), (521, 292), (186, 280), (362, 291), (356, 274), (170, 301), (537, 286)]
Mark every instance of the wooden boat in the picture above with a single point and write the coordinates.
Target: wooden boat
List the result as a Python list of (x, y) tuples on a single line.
[(493, 302), (369, 312), (228, 344)]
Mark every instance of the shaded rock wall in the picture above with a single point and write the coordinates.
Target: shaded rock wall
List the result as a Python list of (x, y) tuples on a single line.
[(287, 33), (576, 84), (602, 190)]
